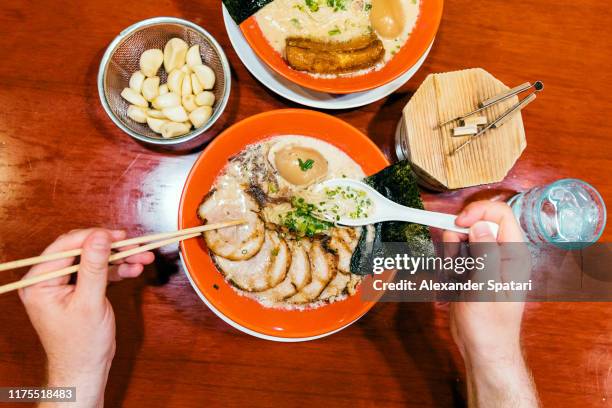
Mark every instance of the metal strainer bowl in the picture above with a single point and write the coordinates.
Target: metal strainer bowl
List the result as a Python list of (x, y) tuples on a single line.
[(122, 59)]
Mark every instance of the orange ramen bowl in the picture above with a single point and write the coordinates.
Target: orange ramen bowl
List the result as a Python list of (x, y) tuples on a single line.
[(239, 311), (418, 42)]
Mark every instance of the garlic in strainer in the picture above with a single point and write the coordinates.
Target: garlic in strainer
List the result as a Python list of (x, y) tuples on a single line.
[(184, 101)]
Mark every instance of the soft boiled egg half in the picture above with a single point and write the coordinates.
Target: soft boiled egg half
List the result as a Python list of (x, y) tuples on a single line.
[(302, 161)]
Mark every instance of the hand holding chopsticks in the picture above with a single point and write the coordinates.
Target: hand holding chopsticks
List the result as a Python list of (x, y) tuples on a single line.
[(155, 241)]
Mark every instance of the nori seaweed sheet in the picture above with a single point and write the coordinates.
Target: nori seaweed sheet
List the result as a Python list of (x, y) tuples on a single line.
[(398, 183), (240, 10)]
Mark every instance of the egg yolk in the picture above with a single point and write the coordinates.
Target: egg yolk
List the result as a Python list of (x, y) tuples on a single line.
[(300, 165), (387, 18)]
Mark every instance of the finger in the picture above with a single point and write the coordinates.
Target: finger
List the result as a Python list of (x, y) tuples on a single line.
[(144, 258), (124, 271), (113, 273), (121, 249), (516, 266), (129, 270), (93, 270), (481, 232), (452, 236), (484, 246), (497, 212), (72, 240), (66, 242), (452, 243)]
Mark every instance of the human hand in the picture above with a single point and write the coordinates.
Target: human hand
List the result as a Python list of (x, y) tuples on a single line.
[(488, 333), (76, 323)]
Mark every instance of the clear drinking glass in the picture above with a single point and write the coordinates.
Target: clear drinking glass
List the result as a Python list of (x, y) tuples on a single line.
[(569, 213)]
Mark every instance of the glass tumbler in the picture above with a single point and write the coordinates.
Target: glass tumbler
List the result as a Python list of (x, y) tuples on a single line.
[(569, 213)]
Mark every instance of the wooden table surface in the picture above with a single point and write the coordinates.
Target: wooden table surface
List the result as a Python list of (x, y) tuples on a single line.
[(64, 165)]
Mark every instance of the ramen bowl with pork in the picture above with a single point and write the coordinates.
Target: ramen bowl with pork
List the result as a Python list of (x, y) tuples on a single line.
[(342, 46), (285, 273), (285, 256)]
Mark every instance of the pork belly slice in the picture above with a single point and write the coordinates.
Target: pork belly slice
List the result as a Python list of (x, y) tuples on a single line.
[(299, 271), (237, 243), (343, 242), (336, 287), (350, 236), (280, 263), (332, 57), (356, 43), (298, 275), (323, 270), (277, 293), (353, 284), (342, 250), (261, 272)]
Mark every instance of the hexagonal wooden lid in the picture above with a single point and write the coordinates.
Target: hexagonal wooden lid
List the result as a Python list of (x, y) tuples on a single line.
[(442, 97)]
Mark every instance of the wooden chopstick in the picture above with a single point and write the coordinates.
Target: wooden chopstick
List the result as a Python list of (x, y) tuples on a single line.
[(119, 244), (195, 232)]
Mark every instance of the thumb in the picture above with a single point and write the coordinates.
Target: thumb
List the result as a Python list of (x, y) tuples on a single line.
[(93, 269), (481, 232), (483, 245)]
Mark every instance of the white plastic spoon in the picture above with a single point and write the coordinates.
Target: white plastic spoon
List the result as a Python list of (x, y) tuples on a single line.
[(387, 210)]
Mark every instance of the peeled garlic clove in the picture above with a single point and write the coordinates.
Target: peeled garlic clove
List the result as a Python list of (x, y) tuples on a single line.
[(174, 129), (166, 100), (150, 61), (155, 124), (186, 85), (200, 116), (163, 89), (175, 113), (175, 80), (175, 52), (136, 81), (157, 114), (189, 103), (196, 86), (134, 98), (205, 75), (186, 69), (193, 56), (150, 88), (205, 98), (137, 114)]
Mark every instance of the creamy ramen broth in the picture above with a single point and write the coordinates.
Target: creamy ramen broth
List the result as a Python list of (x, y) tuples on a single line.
[(332, 21), (282, 256)]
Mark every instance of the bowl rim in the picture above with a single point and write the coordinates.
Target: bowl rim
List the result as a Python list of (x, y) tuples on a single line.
[(126, 33), (270, 324), (244, 329), (427, 23)]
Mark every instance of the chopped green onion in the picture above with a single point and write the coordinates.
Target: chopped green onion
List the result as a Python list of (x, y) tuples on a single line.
[(306, 165), (313, 5)]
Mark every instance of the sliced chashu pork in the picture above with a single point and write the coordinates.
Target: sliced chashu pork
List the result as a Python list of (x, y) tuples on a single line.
[(323, 270), (343, 242), (336, 287), (264, 270), (235, 243), (297, 277)]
